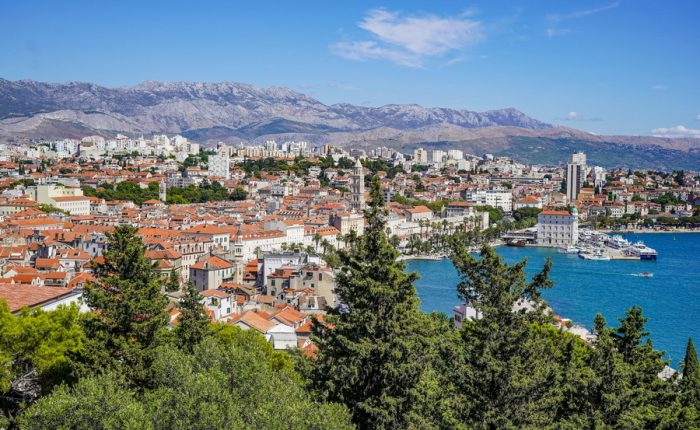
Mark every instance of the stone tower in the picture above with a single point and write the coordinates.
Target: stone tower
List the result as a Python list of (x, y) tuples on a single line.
[(358, 187), (162, 191)]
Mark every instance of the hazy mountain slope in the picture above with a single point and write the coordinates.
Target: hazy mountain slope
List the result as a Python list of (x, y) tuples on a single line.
[(234, 112)]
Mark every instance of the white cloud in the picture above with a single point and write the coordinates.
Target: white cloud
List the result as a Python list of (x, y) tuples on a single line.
[(659, 87), (698, 117), (677, 131), (555, 19), (575, 116), (409, 40)]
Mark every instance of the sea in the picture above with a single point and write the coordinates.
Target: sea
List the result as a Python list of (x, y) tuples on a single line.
[(583, 288)]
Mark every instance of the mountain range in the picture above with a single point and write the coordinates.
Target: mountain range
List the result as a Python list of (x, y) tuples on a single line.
[(235, 112)]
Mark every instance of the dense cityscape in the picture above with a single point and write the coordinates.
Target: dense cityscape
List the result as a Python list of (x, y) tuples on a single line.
[(349, 216)]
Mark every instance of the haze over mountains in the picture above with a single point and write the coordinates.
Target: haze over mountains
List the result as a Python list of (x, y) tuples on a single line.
[(231, 112)]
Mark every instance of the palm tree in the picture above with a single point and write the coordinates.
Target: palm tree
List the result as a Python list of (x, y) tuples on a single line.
[(317, 239)]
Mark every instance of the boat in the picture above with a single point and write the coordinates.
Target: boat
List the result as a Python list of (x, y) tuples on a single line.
[(519, 243), (646, 275), (639, 249), (597, 255), (569, 250)]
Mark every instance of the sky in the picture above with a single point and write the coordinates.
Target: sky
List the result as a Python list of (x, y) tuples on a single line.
[(604, 66)]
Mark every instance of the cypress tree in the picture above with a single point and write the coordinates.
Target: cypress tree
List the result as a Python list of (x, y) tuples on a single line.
[(129, 305), (193, 325), (690, 383), (372, 352), (508, 373)]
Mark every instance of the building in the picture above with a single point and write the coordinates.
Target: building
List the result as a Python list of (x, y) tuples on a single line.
[(219, 165), (557, 228), (575, 175), (358, 187), (495, 197), (420, 156), (69, 199), (210, 273)]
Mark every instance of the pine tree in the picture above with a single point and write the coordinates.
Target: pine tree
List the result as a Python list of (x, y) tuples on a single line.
[(193, 325), (690, 383), (508, 369), (372, 353), (129, 306)]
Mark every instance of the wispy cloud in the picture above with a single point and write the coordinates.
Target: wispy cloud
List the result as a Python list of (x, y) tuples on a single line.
[(659, 87), (698, 117), (410, 40), (575, 116), (677, 131), (555, 20)]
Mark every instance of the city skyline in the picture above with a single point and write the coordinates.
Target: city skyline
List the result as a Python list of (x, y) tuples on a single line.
[(606, 67)]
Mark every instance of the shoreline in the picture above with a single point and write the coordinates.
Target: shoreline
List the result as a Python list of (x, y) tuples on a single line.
[(633, 231)]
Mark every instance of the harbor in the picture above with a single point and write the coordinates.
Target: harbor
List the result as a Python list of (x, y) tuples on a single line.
[(584, 288)]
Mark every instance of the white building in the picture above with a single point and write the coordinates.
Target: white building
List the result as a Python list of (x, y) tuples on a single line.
[(557, 228), (497, 198), (69, 199), (219, 164), (575, 175), (420, 156)]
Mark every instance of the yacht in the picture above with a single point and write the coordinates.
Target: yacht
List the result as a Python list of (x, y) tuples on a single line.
[(639, 249), (569, 250)]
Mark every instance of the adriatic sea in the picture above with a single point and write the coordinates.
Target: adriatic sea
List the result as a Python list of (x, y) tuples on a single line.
[(670, 299)]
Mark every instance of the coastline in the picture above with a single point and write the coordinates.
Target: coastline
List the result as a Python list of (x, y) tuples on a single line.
[(646, 231)]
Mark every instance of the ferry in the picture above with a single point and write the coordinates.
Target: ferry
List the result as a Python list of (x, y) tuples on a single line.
[(639, 249)]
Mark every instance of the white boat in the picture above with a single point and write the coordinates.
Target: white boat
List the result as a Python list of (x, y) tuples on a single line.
[(598, 255), (569, 250), (639, 249)]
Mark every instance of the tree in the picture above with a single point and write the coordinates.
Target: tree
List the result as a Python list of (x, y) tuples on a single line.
[(507, 368), (690, 384), (130, 308), (238, 194), (372, 354), (101, 402), (193, 324), (35, 349)]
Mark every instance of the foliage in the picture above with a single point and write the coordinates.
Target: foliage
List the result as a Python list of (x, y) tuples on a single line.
[(194, 324), (50, 209), (129, 303), (371, 356), (35, 348), (525, 213)]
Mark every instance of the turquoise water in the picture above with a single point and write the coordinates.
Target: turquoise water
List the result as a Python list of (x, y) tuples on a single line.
[(671, 299)]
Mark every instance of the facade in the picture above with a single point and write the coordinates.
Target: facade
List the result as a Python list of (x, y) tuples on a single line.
[(575, 175), (557, 228), (357, 200), (219, 165), (497, 198)]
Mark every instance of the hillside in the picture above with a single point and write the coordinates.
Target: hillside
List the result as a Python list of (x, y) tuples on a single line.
[(235, 112)]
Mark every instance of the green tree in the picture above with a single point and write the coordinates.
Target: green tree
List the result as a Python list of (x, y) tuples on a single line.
[(507, 366), (35, 349), (690, 384), (371, 355), (95, 402), (194, 324), (129, 303)]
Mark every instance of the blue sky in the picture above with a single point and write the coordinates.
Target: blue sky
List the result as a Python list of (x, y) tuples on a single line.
[(609, 67)]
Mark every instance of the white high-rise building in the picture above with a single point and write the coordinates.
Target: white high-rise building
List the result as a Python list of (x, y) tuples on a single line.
[(599, 176), (219, 164), (420, 156), (455, 154), (438, 156), (575, 175)]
